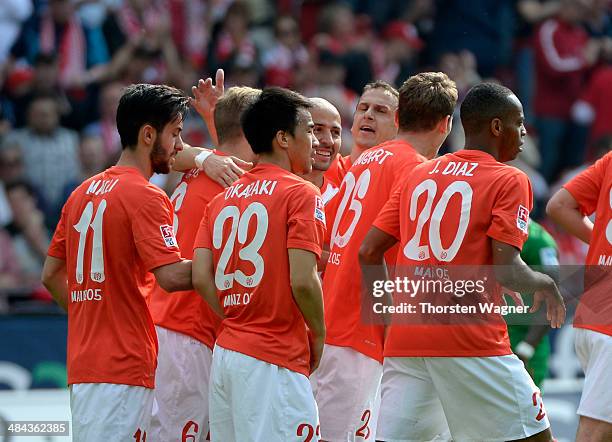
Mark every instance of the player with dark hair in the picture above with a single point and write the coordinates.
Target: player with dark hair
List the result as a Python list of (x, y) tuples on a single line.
[(466, 208), (587, 193), (255, 263), (115, 228), (345, 397), (186, 326)]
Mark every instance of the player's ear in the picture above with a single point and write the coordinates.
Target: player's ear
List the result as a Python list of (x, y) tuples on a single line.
[(396, 119), (496, 126), (147, 135), (282, 139), (445, 125)]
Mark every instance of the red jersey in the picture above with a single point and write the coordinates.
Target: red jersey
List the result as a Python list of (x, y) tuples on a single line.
[(186, 312), (364, 191), (592, 189), (249, 228), (114, 229), (338, 168), (447, 213)]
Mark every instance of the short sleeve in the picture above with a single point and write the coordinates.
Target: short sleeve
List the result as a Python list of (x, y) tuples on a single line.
[(153, 233), (306, 220), (57, 248), (510, 213), (203, 239), (585, 187), (388, 219)]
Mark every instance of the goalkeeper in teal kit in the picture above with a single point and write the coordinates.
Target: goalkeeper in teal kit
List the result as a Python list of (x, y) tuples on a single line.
[(529, 332)]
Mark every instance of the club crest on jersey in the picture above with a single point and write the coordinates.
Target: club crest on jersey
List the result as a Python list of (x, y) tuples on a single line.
[(319, 212), (522, 219), (167, 233)]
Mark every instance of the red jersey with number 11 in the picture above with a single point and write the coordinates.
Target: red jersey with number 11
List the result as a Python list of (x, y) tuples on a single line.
[(115, 228)]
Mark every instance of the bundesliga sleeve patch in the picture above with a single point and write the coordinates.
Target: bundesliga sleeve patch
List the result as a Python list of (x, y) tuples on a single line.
[(522, 219), (167, 233), (319, 212)]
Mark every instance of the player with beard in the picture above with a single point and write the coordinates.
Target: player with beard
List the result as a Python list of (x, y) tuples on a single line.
[(373, 123), (114, 234)]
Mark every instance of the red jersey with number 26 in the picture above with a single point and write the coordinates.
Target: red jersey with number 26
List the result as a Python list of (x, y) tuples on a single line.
[(446, 214), (115, 228), (249, 228), (364, 190)]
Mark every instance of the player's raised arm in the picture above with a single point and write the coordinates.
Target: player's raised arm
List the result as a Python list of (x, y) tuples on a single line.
[(54, 278), (308, 295), (205, 97), (204, 280), (565, 211), (512, 272)]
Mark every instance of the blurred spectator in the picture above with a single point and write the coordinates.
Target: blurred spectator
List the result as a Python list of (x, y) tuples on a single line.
[(106, 126), (12, 14), (92, 159), (348, 38), (598, 20), (29, 234), (594, 108), (530, 13), (287, 59), (483, 27), (50, 154), (394, 58), (11, 170), (232, 46), (563, 54), (58, 30), (43, 80)]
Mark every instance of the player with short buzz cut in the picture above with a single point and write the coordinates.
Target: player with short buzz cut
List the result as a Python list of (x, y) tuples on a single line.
[(255, 263), (186, 326), (114, 235), (373, 123), (346, 396), (587, 193), (466, 208)]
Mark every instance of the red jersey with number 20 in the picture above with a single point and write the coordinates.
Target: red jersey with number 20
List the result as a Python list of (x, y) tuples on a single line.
[(249, 228), (115, 228), (446, 214), (364, 190)]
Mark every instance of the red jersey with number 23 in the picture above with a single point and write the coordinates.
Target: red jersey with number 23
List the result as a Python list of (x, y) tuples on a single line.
[(446, 214), (249, 228), (115, 228)]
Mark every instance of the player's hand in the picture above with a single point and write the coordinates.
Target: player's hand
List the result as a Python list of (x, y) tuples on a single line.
[(316, 351), (555, 307), (225, 169), (206, 94)]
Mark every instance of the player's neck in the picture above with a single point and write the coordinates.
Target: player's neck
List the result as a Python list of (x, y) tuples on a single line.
[(281, 161), (315, 177), (425, 143), (131, 158), (481, 145), (239, 148)]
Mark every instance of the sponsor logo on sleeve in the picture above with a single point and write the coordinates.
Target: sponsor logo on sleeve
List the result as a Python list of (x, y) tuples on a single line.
[(522, 219), (167, 233), (319, 212)]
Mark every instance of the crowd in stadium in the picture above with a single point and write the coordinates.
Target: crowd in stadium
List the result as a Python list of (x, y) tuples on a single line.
[(63, 65)]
